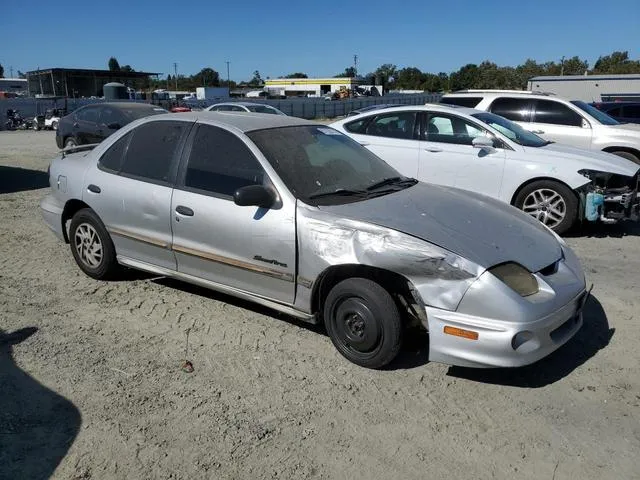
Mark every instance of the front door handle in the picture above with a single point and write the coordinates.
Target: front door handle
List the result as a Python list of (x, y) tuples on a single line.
[(537, 132), (94, 188), (433, 149), (364, 144), (186, 211)]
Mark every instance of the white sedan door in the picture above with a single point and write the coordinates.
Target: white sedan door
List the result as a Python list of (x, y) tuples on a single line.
[(447, 156), (393, 137)]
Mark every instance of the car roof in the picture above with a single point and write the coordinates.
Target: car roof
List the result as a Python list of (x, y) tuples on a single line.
[(243, 121), (127, 105), (244, 104), (438, 107)]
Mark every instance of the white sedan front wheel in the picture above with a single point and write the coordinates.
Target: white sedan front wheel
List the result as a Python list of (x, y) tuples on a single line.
[(550, 202)]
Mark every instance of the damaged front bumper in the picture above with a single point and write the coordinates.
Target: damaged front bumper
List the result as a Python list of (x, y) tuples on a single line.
[(617, 198)]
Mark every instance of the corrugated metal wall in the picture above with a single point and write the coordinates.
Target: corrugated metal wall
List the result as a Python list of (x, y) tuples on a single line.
[(586, 89), (309, 108)]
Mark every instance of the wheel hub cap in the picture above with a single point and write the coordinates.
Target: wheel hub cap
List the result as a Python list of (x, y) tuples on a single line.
[(88, 245), (546, 205)]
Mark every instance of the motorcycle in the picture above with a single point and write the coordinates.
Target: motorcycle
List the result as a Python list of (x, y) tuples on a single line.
[(15, 121)]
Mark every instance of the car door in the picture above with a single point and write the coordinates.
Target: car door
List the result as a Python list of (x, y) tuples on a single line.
[(392, 136), (248, 248), (85, 125), (110, 121), (130, 189), (448, 157), (556, 122)]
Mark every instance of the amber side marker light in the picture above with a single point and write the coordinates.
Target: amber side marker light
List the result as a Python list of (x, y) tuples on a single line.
[(459, 332)]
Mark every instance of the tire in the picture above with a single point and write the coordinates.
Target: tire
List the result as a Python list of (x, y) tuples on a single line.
[(54, 125), (628, 156), (70, 142), (363, 322), (550, 202), (99, 260), (36, 127)]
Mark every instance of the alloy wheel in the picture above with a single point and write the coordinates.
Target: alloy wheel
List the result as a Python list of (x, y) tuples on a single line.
[(88, 245), (545, 205)]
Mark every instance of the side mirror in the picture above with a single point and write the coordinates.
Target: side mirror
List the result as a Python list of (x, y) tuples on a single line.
[(483, 143), (254, 196), (113, 126)]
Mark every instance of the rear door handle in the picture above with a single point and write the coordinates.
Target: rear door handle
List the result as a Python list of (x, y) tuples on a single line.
[(433, 149), (94, 188), (364, 144), (186, 211), (537, 132)]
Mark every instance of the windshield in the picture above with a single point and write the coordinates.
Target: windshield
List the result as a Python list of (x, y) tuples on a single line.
[(512, 131), (602, 117), (264, 109), (322, 166)]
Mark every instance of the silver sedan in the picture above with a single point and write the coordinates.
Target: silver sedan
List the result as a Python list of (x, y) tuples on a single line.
[(298, 217)]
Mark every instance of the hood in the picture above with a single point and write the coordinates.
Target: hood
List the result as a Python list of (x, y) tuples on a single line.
[(478, 228), (589, 159), (629, 131)]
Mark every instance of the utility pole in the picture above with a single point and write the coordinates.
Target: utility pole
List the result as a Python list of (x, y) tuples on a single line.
[(175, 73), (562, 66), (228, 82), (355, 65), (11, 70)]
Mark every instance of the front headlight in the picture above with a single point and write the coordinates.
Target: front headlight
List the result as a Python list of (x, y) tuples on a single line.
[(516, 277)]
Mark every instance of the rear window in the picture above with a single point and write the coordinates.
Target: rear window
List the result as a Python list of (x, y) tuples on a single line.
[(470, 102), (136, 113)]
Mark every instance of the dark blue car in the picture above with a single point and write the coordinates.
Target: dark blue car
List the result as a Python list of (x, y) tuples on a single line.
[(624, 112)]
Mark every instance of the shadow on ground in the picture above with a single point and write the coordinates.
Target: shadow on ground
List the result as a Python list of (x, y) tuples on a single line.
[(594, 335), (415, 348), (37, 426), (14, 179)]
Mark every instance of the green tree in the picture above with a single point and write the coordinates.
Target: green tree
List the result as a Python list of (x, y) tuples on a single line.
[(256, 80), (1, 71), (127, 68), (297, 75), (114, 66), (574, 66), (467, 77), (410, 78), (617, 62), (207, 77), (349, 72), (386, 75)]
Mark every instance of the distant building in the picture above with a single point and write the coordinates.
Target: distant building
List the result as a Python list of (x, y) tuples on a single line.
[(77, 83), (294, 87), (13, 86), (590, 88)]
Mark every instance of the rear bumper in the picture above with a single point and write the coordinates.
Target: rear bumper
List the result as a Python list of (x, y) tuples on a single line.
[(51, 210), (501, 344)]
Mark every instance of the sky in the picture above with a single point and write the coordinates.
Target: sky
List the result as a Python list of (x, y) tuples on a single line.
[(317, 38)]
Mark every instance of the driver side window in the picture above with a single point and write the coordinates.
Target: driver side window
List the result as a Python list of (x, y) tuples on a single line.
[(443, 128), (220, 163)]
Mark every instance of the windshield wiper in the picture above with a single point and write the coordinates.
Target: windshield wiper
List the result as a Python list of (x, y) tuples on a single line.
[(399, 181), (339, 192)]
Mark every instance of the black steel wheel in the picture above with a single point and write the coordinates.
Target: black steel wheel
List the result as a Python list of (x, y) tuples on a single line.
[(363, 322)]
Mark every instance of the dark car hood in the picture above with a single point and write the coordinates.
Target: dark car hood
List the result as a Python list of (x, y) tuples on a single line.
[(481, 229)]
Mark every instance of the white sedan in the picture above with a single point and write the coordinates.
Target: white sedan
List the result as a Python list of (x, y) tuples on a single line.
[(244, 107), (485, 153)]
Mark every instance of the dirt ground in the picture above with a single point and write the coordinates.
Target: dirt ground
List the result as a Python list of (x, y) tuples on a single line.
[(91, 387)]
